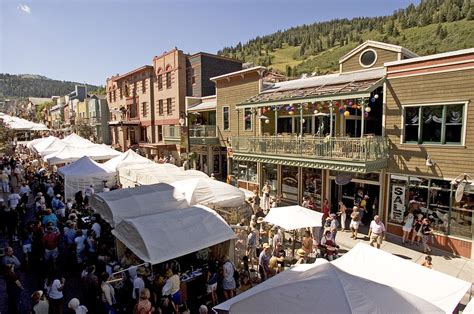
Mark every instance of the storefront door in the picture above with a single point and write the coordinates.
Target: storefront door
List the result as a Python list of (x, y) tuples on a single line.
[(289, 185)]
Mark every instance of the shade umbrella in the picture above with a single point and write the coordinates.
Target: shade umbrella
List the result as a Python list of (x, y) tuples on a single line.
[(328, 289), (294, 217)]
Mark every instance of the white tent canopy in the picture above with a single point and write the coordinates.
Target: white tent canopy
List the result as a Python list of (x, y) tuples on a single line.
[(469, 307), (440, 289), (210, 192), (72, 153), (307, 288), (30, 144), (20, 124), (83, 173), (163, 236), (76, 140), (294, 217), (117, 205), (127, 158), (49, 147)]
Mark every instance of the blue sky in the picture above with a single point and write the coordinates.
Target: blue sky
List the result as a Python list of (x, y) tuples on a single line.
[(87, 41)]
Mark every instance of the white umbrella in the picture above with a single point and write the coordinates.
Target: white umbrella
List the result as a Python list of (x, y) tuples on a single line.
[(294, 217)]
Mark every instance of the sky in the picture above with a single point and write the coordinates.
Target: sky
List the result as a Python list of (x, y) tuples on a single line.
[(90, 40)]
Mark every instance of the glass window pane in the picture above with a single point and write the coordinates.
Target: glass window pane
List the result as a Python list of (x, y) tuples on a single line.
[(454, 121), (284, 125), (289, 184), (312, 185), (248, 119), (412, 121), (432, 123), (462, 214), (270, 175)]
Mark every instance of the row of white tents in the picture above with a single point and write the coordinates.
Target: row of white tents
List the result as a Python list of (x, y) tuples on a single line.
[(54, 150), (19, 124)]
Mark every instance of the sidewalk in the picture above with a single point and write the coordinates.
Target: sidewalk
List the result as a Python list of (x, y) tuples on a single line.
[(444, 262)]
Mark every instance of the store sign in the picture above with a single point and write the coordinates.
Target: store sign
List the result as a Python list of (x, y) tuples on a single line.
[(398, 203), (343, 178)]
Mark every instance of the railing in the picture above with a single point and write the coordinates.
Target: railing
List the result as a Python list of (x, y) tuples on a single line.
[(171, 131), (195, 131), (202, 131), (95, 120), (347, 148)]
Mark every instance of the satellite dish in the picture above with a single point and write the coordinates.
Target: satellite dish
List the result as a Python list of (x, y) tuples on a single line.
[(460, 191)]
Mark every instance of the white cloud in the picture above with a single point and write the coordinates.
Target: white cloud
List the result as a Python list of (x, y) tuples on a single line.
[(24, 8)]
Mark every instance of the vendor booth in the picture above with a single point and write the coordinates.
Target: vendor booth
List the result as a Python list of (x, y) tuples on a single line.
[(83, 173), (169, 234), (324, 287), (76, 140), (127, 158), (117, 205), (49, 146), (294, 217), (72, 153)]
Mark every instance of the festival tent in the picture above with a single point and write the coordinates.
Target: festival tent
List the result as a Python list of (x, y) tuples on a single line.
[(49, 147), (83, 173), (72, 153), (34, 142), (469, 307), (207, 191), (127, 158), (168, 176), (294, 217), (440, 289), (170, 234), (20, 124), (76, 140), (324, 287), (117, 205)]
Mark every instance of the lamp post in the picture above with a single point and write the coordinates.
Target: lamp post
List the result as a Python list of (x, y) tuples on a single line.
[(184, 133)]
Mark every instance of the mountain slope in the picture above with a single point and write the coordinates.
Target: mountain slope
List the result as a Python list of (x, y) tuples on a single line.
[(31, 85), (432, 26)]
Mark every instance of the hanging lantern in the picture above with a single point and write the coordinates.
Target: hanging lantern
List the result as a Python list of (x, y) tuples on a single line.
[(376, 96), (350, 103), (372, 99), (267, 121), (368, 109), (291, 113), (347, 113), (341, 110), (366, 114), (303, 120), (316, 111)]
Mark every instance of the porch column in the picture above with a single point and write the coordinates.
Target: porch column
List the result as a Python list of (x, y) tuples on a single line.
[(330, 119), (301, 121), (276, 121), (210, 160), (362, 119)]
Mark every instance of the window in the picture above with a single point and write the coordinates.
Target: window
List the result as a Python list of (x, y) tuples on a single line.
[(225, 118), (160, 107), (245, 171), (143, 134), (193, 80), (110, 96), (168, 106), (121, 93), (115, 95), (132, 110), (143, 86), (247, 119), (368, 58), (434, 124), (160, 81), (134, 88), (168, 79), (144, 109)]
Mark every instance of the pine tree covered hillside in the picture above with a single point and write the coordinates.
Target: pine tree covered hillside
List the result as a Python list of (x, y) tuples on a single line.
[(432, 26)]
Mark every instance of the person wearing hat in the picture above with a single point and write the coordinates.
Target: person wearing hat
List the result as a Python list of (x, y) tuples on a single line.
[(355, 220), (301, 254), (264, 261), (40, 304), (75, 305)]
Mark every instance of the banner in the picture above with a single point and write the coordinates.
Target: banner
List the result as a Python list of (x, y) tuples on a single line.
[(398, 203)]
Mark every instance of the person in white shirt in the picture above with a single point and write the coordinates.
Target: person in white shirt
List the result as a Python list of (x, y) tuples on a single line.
[(55, 295), (80, 245), (13, 200), (138, 285), (96, 228), (376, 231)]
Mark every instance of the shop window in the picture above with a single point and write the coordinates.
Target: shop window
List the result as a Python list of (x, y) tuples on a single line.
[(312, 185), (226, 118), (245, 171), (434, 124), (270, 175), (289, 184), (247, 119), (431, 198)]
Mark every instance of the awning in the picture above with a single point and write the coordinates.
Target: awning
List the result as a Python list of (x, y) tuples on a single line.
[(204, 106), (164, 236), (319, 88)]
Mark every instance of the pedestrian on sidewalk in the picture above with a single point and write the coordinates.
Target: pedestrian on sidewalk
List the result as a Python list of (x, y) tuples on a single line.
[(426, 235), (415, 239), (355, 220), (342, 214), (407, 227), (376, 231)]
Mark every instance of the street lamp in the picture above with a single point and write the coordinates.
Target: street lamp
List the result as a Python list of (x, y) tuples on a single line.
[(184, 133)]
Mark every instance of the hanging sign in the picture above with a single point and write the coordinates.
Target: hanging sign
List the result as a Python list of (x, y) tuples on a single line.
[(342, 178), (397, 203)]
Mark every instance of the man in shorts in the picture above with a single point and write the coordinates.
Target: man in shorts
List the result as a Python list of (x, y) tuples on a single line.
[(376, 232)]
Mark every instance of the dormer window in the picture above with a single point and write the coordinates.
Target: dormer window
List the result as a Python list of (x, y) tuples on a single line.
[(368, 58)]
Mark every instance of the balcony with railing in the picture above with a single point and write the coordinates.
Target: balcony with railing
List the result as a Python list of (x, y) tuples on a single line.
[(364, 154), (198, 134)]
